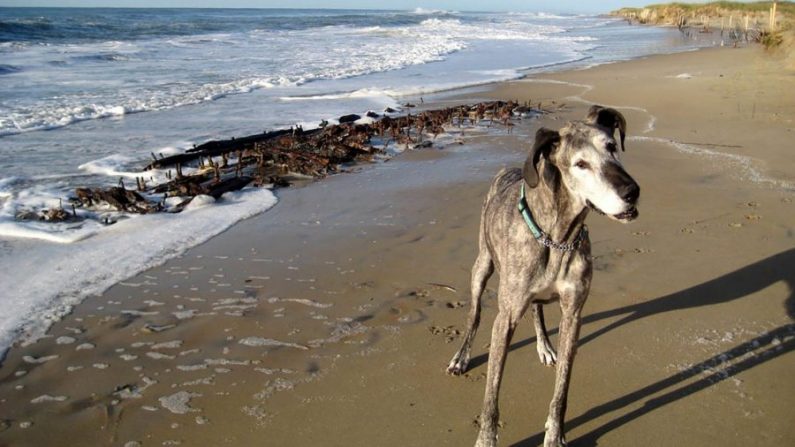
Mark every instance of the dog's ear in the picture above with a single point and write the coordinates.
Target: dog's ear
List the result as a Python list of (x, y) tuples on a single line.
[(546, 140), (608, 118)]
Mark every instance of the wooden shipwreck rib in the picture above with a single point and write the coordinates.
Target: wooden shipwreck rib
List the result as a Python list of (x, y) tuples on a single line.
[(271, 158)]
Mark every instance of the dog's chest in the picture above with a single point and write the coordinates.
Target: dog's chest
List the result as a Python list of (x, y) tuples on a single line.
[(544, 272)]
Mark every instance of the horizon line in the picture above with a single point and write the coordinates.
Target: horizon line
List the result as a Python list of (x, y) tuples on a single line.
[(297, 8)]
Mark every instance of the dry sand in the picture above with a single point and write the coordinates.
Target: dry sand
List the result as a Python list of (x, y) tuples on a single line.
[(329, 319)]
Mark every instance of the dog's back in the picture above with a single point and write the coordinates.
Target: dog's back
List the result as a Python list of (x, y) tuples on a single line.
[(503, 180)]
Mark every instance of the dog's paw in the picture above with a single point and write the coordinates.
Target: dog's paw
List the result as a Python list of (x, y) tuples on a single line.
[(486, 439), (546, 354), (553, 436), (457, 366), (554, 441)]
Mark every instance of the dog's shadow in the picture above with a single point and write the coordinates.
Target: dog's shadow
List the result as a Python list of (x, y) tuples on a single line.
[(726, 288)]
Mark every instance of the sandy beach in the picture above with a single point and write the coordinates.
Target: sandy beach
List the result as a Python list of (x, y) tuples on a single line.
[(329, 320)]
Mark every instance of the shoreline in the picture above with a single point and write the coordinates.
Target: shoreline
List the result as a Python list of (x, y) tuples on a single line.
[(24, 245), (377, 353)]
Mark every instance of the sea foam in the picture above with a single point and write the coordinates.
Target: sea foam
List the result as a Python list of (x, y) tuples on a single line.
[(68, 273)]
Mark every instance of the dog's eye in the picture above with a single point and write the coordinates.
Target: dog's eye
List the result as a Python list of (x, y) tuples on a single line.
[(611, 147), (582, 164)]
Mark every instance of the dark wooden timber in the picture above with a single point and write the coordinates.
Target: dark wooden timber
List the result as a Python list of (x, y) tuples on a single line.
[(274, 158)]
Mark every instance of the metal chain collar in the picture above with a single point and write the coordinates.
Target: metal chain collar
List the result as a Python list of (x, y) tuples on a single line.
[(564, 246)]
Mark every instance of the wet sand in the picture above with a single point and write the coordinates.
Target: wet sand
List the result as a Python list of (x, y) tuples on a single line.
[(329, 319)]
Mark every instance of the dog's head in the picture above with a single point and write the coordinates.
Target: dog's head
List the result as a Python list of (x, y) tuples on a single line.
[(584, 158)]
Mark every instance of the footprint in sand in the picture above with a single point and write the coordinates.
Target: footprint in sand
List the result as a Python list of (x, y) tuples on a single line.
[(412, 317), (419, 293), (472, 377), (449, 333)]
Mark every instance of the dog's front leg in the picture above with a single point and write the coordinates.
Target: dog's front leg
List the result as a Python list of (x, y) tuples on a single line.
[(501, 334), (569, 331)]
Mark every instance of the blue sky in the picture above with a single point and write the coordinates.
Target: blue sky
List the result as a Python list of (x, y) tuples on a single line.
[(460, 5)]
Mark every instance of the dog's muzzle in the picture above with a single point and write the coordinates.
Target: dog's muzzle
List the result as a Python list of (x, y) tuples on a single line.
[(627, 216)]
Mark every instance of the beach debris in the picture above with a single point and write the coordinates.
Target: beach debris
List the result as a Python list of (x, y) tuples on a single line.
[(174, 344), (155, 328), (443, 286), (271, 371), (304, 301), (274, 159), (133, 391), (37, 360), (48, 398), (116, 197), (349, 118), (226, 362), (65, 340), (47, 215), (210, 380), (138, 313), (185, 314), (197, 367), (179, 402), (269, 342)]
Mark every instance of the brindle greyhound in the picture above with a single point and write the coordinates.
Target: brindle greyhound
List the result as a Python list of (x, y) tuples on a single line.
[(532, 230)]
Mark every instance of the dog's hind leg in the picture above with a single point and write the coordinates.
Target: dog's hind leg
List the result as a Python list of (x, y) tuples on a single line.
[(481, 272), (544, 348)]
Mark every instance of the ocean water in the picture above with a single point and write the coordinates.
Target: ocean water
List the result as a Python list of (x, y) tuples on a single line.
[(87, 94)]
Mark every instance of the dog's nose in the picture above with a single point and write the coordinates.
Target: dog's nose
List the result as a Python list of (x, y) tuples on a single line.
[(631, 192)]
